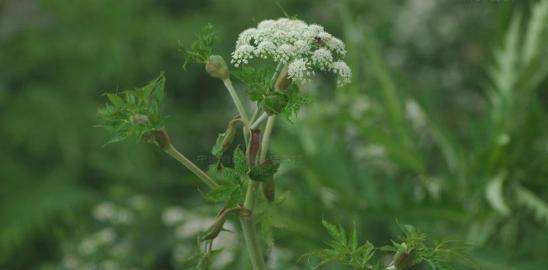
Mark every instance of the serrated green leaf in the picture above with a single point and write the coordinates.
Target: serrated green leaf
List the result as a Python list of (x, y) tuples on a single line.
[(240, 162), (263, 172)]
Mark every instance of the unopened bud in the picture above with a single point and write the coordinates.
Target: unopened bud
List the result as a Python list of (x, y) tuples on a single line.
[(230, 133), (159, 137), (216, 67), (254, 146)]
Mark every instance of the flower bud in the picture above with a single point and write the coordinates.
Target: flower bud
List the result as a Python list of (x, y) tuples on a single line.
[(216, 67), (274, 102), (254, 146), (159, 137), (230, 133)]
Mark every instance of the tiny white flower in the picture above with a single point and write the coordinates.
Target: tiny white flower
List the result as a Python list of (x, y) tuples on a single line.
[(336, 45), (322, 58), (266, 24), (265, 48), (343, 72), (315, 29), (299, 70), (301, 47), (246, 36), (284, 53), (242, 55)]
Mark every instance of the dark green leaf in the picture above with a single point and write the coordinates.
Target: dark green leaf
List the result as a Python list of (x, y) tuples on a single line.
[(264, 171), (240, 162)]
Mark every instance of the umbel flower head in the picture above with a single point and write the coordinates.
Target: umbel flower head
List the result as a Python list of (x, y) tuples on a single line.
[(304, 48)]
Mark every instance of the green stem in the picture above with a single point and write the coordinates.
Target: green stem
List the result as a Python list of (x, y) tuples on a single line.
[(257, 122), (249, 230), (266, 138), (239, 106), (248, 225), (191, 166)]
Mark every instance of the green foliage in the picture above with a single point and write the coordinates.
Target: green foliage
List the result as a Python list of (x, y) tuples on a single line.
[(414, 249), (264, 171), (295, 100), (258, 81), (134, 113), (231, 189), (344, 249), (259, 88), (356, 153), (240, 161), (202, 47)]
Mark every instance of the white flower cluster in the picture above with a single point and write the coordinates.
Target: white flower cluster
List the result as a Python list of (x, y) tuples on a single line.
[(304, 48)]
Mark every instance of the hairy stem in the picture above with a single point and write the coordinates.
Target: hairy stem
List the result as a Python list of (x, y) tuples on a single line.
[(191, 166)]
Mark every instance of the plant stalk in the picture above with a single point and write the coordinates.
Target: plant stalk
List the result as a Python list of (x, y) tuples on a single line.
[(239, 106), (248, 225), (191, 166), (259, 121), (249, 230)]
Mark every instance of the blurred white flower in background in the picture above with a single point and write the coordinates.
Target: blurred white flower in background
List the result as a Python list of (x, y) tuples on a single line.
[(108, 212), (173, 215), (415, 114), (104, 211)]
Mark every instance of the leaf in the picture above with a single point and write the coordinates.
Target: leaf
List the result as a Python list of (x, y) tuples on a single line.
[(200, 50), (264, 171), (336, 232), (222, 193), (240, 162), (133, 113)]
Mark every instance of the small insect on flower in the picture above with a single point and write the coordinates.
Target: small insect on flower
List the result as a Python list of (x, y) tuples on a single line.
[(304, 48)]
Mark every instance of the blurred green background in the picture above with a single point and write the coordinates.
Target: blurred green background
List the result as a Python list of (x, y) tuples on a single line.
[(444, 127)]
